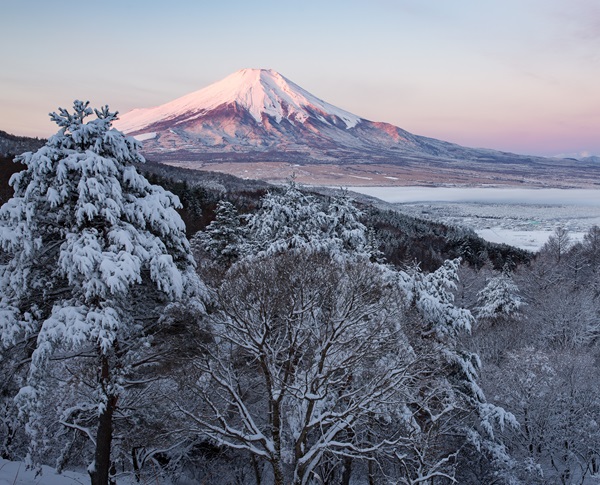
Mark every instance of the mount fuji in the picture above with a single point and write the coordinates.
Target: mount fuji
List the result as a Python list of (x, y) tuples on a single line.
[(257, 116)]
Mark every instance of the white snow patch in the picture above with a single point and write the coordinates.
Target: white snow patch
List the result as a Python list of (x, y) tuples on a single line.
[(145, 136), (529, 240), (359, 177), (16, 473)]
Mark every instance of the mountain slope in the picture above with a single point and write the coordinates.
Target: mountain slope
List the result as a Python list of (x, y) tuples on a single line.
[(257, 115), (258, 110)]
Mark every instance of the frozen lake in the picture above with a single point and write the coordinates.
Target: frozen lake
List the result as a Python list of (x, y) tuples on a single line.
[(521, 217), (492, 195)]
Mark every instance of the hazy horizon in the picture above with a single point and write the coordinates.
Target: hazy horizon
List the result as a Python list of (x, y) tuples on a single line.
[(516, 76)]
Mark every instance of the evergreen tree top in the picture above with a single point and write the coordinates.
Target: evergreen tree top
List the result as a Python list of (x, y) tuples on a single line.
[(80, 134)]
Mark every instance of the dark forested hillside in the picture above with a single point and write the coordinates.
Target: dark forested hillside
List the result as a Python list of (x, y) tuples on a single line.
[(406, 240), (403, 239), (11, 145), (200, 191), (7, 168)]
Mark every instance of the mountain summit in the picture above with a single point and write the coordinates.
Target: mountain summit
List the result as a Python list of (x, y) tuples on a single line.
[(262, 93), (258, 115)]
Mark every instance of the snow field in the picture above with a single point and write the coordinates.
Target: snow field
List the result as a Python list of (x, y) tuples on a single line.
[(524, 218), (16, 473)]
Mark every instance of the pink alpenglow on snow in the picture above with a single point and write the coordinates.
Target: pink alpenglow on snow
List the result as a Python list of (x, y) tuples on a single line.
[(258, 91)]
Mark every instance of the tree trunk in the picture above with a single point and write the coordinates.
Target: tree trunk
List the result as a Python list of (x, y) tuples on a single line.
[(371, 470), (277, 473), (101, 471), (136, 465), (347, 474)]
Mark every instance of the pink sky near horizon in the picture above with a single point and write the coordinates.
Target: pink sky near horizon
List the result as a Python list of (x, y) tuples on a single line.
[(517, 75)]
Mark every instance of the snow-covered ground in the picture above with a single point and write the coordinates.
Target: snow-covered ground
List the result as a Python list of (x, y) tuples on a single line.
[(520, 217), (15, 473), (530, 240)]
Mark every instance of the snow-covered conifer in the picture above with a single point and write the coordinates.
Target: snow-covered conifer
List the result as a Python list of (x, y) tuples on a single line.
[(223, 237), (94, 251), (500, 297), (296, 221), (345, 226), (286, 221)]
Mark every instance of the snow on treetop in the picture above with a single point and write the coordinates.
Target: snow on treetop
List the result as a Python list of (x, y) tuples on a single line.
[(259, 91)]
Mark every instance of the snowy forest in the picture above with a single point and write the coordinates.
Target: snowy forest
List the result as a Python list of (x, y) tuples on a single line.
[(278, 335)]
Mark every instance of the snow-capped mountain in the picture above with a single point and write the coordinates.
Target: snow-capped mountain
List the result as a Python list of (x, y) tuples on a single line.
[(258, 115), (259, 111), (260, 93)]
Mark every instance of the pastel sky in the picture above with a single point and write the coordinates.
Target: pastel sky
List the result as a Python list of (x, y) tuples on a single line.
[(514, 75)]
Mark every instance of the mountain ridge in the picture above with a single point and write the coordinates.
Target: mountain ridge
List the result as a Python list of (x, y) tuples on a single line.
[(11, 145), (260, 116)]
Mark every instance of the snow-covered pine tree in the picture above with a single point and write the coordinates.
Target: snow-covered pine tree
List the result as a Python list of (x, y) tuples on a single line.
[(295, 221), (94, 252), (345, 226), (499, 298), (288, 221), (223, 237)]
